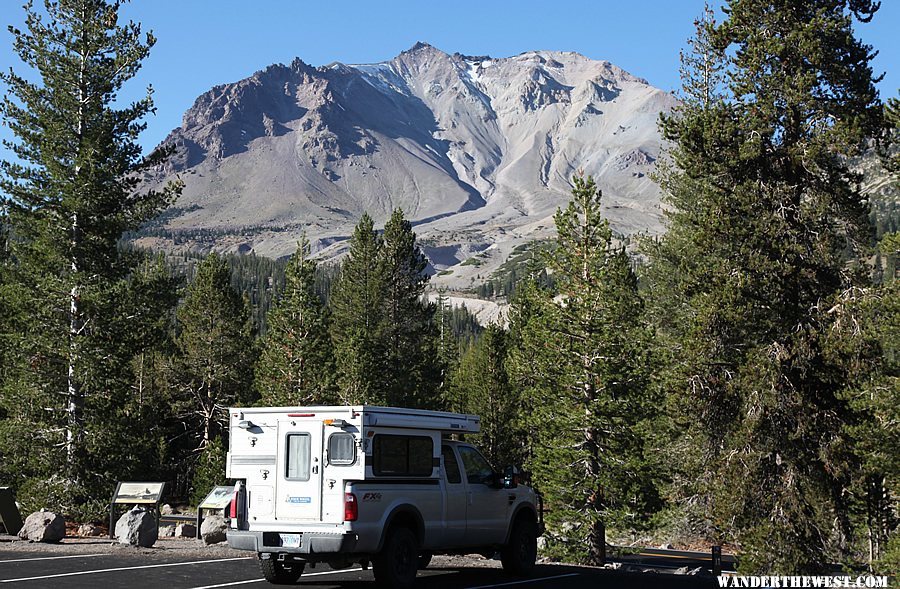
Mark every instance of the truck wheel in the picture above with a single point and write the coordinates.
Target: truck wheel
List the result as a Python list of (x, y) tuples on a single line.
[(520, 553), (396, 565), (278, 573), (424, 560)]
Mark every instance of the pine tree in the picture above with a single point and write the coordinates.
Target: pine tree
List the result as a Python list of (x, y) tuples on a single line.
[(410, 336), (213, 366), (296, 361), (591, 371), (357, 307), (480, 386), (765, 213), (71, 194), (447, 347)]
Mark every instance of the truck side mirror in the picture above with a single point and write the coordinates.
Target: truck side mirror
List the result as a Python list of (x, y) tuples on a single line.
[(510, 477), (495, 481)]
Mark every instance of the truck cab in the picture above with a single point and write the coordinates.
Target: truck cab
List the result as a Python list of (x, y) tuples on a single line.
[(380, 485)]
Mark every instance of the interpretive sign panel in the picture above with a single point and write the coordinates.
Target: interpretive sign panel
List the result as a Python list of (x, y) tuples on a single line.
[(138, 493), (218, 498)]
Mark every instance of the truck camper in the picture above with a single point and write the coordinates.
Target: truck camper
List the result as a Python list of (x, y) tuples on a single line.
[(372, 485)]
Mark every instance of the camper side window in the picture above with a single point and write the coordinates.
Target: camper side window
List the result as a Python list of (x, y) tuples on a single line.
[(402, 455), (297, 458), (341, 449)]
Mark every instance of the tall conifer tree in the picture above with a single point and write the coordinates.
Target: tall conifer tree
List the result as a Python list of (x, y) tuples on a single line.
[(591, 380), (357, 306), (480, 385), (765, 213), (413, 372), (71, 194), (296, 361), (213, 367)]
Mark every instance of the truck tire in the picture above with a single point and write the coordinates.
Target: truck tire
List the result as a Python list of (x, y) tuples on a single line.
[(520, 553), (279, 574), (396, 565)]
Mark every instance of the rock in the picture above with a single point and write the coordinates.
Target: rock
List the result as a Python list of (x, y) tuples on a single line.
[(89, 531), (167, 509), (212, 530), (541, 543), (137, 527), (666, 547), (185, 531), (166, 531), (43, 526)]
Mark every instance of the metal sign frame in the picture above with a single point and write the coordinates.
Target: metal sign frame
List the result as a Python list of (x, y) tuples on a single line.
[(217, 499)]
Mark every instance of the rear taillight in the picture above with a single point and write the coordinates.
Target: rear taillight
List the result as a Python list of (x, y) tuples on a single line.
[(351, 507), (236, 510)]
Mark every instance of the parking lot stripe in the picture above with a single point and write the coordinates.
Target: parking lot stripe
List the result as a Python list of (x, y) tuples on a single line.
[(535, 580), (134, 568), (261, 580), (50, 558)]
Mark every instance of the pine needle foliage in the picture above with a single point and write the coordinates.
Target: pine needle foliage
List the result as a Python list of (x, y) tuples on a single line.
[(767, 228), (69, 195), (480, 386), (411, 336), (296, 361), (212, 368), (357, 305), (590, 374)]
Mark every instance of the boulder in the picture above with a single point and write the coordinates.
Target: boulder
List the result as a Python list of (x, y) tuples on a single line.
[(137, 527), (43, 526), (166, 531), (167, 509), (212, 530), (185, 531), (89, 531)]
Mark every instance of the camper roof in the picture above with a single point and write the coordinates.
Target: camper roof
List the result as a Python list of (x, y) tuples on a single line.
[(374, 416)]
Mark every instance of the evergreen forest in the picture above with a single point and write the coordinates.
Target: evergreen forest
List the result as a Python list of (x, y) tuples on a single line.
[(734, 382)]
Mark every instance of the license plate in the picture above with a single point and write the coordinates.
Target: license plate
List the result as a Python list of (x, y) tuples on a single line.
[(290, 540)]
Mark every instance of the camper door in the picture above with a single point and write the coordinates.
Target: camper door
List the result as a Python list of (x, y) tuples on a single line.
[(298, 492)]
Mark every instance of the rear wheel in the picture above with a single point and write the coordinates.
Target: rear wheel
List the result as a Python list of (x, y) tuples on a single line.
[(279, 573), (520, 553), (396, 565)]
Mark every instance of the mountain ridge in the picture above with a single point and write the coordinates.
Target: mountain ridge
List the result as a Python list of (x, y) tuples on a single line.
[(478, 151)]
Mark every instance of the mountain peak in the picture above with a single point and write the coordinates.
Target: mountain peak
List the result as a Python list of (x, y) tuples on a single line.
[(420, 46)]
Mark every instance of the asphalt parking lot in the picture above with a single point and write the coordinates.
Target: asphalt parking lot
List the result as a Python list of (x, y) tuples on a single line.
[(30, 568)]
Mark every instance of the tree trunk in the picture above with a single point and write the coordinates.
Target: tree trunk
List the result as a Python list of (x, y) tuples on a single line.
[(598, 543), (74, 391)]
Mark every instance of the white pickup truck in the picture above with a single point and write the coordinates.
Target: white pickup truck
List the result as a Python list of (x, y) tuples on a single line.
[(378, 485)]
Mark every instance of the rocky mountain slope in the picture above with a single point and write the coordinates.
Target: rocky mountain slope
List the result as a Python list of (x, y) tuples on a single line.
[(477, 151)]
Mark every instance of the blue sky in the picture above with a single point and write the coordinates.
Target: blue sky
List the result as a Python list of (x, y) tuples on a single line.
[(202, 43)]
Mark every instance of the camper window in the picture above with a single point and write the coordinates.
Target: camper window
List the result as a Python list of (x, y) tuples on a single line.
[(297, 459), (341, 449), (402, 455)]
